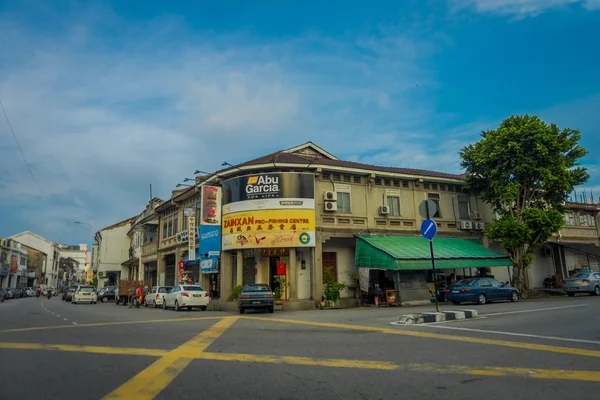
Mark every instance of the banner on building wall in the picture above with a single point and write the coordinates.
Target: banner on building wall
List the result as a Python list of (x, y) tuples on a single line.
[(14, 264), (191, 238), (269, 191), (209, 265), (209, 233)]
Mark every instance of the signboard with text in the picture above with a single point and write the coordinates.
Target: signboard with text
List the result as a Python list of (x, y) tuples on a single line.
[(269, 210), (209, 233), (191, 238)]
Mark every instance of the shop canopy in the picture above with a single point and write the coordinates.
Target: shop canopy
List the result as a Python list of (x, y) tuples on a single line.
[(412, 253)]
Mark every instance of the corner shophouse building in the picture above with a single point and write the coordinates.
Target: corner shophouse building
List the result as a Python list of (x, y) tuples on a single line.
[(307, 209)]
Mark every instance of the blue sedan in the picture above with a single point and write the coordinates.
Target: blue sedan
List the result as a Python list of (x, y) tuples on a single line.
[(480, 291)]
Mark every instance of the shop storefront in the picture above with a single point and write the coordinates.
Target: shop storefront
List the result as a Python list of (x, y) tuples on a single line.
[(268, 229)]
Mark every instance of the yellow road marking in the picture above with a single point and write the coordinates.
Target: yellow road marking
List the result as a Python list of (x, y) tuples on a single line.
[(84, 349), (155, 378), (429, 335), (151, 321)]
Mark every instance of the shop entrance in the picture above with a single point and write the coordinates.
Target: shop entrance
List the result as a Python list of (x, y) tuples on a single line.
[(170, 270)]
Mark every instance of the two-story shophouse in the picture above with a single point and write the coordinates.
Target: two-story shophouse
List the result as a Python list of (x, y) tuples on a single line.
[(302, 211)]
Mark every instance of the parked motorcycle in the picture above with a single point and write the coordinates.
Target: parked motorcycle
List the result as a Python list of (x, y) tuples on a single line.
[(550, 282)]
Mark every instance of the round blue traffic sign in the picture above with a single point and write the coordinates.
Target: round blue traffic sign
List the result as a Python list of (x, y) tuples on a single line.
[(428, 229)]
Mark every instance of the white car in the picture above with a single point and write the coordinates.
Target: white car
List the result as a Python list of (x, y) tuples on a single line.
[(84, 294), (190, 296), (155, 296)]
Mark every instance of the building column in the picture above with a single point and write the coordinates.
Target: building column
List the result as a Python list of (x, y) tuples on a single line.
[(226, 270), (239, 268), (257, 264), (293, 275), (317, 269), (161, 263)]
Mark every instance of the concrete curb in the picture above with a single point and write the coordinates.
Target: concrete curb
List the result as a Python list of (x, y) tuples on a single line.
[(432, 317)]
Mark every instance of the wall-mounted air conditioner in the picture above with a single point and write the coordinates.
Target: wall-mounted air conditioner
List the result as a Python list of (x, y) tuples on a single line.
[(479, 226), (330, 196), (466, 225), (384, 209), (101, 274), (329, 206)]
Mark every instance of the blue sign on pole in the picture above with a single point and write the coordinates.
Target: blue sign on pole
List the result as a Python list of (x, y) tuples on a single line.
[(428, 229)]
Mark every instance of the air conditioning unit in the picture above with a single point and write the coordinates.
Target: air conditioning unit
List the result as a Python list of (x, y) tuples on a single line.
[(101, 274), (329, 196), (329, 206), (479, 226), (466, 225), (476, 215), (384, 210)]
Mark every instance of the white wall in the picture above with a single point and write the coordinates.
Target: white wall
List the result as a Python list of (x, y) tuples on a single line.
[(304, 274), (45, 246), (540, 269), (113, 250)]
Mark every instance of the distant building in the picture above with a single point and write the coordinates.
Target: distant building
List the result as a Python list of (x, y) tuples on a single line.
[(49, 275)]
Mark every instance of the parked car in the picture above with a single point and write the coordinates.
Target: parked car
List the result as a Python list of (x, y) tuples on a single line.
[(584, 282), (256, 297), (68, 293), (155, 296), (84, 294), (3, 295), (481, 291), (186, 296), (106, 294), (10, 293)]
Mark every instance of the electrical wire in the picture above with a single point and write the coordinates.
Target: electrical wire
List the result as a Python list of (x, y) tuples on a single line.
[(12, 131)]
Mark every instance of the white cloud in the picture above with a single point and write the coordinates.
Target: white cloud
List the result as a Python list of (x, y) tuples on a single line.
[(100, 120), (521, 8)]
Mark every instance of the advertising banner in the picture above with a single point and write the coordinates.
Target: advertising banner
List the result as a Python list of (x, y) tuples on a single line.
[(210, 222), (269, 210), (191, 238), (209, 265)]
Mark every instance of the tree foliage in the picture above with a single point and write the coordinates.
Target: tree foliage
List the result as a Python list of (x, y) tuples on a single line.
[(525, 169)]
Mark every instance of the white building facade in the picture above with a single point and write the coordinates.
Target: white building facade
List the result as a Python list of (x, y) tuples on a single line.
[(50, 272), (113, 251)]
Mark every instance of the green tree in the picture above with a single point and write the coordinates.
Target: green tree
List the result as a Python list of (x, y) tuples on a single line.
[(525, 169)]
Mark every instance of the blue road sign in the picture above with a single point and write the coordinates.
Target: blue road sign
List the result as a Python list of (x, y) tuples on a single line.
[(428, 229)]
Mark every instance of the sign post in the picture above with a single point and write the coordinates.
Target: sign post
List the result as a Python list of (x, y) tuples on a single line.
[(429, 230)]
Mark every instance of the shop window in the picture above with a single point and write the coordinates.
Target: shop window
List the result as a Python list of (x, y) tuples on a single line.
[(343, 203), (463, 207), (435, 197), (393, 203)]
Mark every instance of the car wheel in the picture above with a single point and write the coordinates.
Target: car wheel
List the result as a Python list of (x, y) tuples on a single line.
[(597, 291), (514, 297), (105, 300), (271, 310), (570, 294), (203, 308), (73, 302), (177, 305), (481, 300), (242, 310)]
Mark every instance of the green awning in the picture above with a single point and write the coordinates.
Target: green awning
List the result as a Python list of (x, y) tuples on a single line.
[(410, 253)]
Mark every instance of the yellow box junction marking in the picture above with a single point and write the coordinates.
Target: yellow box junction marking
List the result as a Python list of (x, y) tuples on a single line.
[(152, 380), (429, 335)]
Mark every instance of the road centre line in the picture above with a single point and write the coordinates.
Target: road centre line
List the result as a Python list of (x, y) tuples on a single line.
[(41, 328), (515, 334), (152, 380), (84, 349), (535, 310), (428, 335)]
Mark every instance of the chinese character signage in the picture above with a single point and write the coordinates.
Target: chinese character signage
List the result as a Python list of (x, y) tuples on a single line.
[(191, 238), (269, 210)]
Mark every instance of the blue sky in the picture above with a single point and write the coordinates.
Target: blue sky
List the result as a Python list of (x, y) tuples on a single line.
[(108, 97)]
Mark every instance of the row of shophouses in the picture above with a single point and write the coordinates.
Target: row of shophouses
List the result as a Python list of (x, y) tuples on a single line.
[(309, 216), (28, 260)]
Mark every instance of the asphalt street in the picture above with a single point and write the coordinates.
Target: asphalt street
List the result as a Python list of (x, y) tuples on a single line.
[(537, 349)]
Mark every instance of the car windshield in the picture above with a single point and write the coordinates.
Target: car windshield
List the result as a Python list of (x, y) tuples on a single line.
[(466, 282), (582, 275), (257, 288), (164, 289), (86, 288), (193, 289)]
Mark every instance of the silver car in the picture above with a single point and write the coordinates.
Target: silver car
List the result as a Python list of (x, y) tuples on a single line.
[(583, 282)]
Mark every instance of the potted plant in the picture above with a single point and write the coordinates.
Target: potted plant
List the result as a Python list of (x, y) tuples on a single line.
[(235, 293), (279, 290), (332, 290)]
